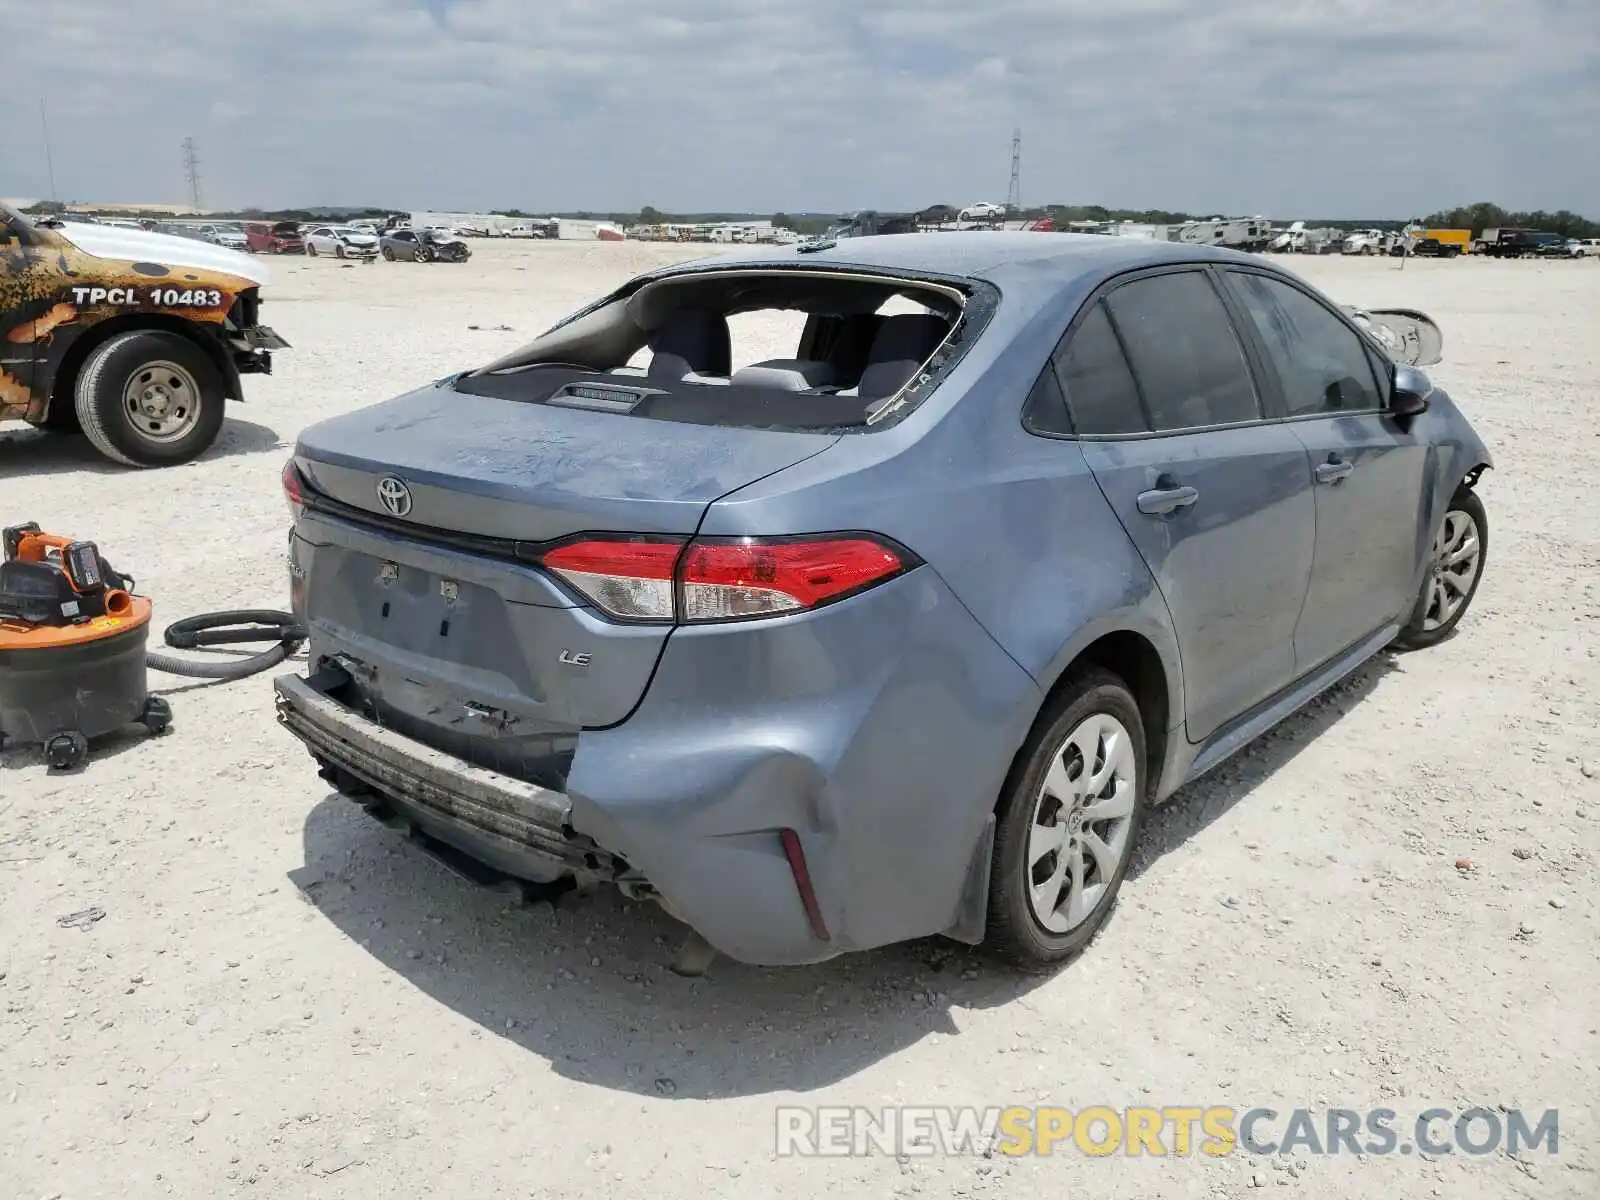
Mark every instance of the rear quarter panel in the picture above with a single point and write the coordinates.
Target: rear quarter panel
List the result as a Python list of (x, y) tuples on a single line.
[(52, 293), (1014, 523)]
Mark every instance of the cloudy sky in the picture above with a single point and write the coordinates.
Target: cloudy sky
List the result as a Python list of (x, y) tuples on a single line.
[(1279, 107)]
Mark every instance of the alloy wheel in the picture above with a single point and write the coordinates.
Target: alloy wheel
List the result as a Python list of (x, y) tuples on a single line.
[(1457, 555), (1082, 818)]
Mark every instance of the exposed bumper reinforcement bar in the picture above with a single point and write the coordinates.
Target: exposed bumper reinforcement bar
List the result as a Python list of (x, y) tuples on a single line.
[(514, 826)]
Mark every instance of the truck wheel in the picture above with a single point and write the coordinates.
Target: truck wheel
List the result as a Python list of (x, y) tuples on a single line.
[(150, 399)]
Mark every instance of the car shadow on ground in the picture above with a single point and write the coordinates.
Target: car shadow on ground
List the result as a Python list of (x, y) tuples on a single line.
[(28, 451), (1196, 805), (586, 985)]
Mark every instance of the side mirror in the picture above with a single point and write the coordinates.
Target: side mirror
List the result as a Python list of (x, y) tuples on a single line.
[(1408, 392)]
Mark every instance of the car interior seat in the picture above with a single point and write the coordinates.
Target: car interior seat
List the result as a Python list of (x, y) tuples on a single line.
[(851, 345), (904, 342), (694, 346)]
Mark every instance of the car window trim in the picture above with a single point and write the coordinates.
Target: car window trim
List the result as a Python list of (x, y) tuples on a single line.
[(1269, 386), (1127, 361), (1254, 334), (1100, 292), (1204, 270)]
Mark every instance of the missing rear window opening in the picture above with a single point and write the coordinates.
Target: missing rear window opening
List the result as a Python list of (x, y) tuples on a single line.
[(764, 348)]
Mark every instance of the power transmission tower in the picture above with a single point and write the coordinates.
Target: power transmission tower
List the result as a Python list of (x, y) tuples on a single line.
[(191, 168), (49, 159), (1014, 193)]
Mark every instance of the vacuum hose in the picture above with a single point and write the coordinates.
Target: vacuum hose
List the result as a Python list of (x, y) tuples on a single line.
[(228, 629)]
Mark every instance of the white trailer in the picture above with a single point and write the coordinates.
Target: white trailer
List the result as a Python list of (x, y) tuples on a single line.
[(1239, 233)]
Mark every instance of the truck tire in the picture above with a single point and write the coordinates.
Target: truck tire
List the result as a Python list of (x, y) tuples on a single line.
[(150, 399)]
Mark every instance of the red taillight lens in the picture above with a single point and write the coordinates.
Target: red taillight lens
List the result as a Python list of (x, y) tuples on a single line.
[(628, 578), (752, 577), (656, 579), (293, 489)]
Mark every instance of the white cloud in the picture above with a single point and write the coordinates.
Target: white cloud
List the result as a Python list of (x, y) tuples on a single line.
[(1318, 107)]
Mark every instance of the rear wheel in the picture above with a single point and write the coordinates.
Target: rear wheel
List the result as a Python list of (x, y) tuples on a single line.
[(150, 399), (1067, 824), (1455, 568), (388, 253), (311, 250)]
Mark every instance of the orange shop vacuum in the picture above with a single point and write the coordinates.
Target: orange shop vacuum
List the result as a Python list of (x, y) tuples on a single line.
[(72, 647)]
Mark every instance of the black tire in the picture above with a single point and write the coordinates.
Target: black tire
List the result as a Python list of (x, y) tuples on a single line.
[(112, 428), (422, 254), (1415, 635), (339, 251), (388, 253), (311, 251), (65, 751), (157, 716), (1015, 933)]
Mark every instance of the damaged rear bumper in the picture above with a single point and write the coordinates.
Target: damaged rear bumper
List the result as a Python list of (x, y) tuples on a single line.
[(810, 738), (512, 826)]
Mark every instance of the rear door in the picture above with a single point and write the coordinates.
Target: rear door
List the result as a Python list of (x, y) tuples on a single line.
[(1216, 496), (1368, 471)]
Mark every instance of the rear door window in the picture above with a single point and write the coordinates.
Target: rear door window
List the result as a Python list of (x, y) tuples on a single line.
[(1094, 374), (1185, 355), (1321, 363)]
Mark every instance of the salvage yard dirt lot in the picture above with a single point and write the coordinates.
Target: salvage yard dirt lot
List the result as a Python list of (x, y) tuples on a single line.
[(1389, 902)]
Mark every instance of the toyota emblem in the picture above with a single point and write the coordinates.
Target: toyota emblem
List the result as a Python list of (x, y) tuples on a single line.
[(395, 495)]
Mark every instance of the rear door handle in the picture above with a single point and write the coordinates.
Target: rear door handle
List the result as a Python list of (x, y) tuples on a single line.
[(1333, 470), (1161, 501)]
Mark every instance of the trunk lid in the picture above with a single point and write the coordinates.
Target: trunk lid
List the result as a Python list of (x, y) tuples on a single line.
[(450, 638), (497, 468)]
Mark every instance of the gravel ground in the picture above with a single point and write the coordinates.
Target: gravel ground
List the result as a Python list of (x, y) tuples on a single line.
[(284, 1000)]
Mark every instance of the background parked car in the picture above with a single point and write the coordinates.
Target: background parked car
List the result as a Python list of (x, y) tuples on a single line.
[(1564, 248), (342, 241), (423, 245), (274, 237), (229, 235)]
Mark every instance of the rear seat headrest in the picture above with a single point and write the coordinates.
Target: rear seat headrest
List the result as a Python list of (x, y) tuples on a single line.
[(903, 344), (694, 342), (786, 374), (908, 335)]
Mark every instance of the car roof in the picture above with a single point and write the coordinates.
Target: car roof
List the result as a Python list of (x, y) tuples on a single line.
[(1061, 257)]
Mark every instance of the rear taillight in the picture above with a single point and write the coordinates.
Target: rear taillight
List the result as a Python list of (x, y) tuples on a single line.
[(752, 577), (723, 579), (294, 490), (629, 578)]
